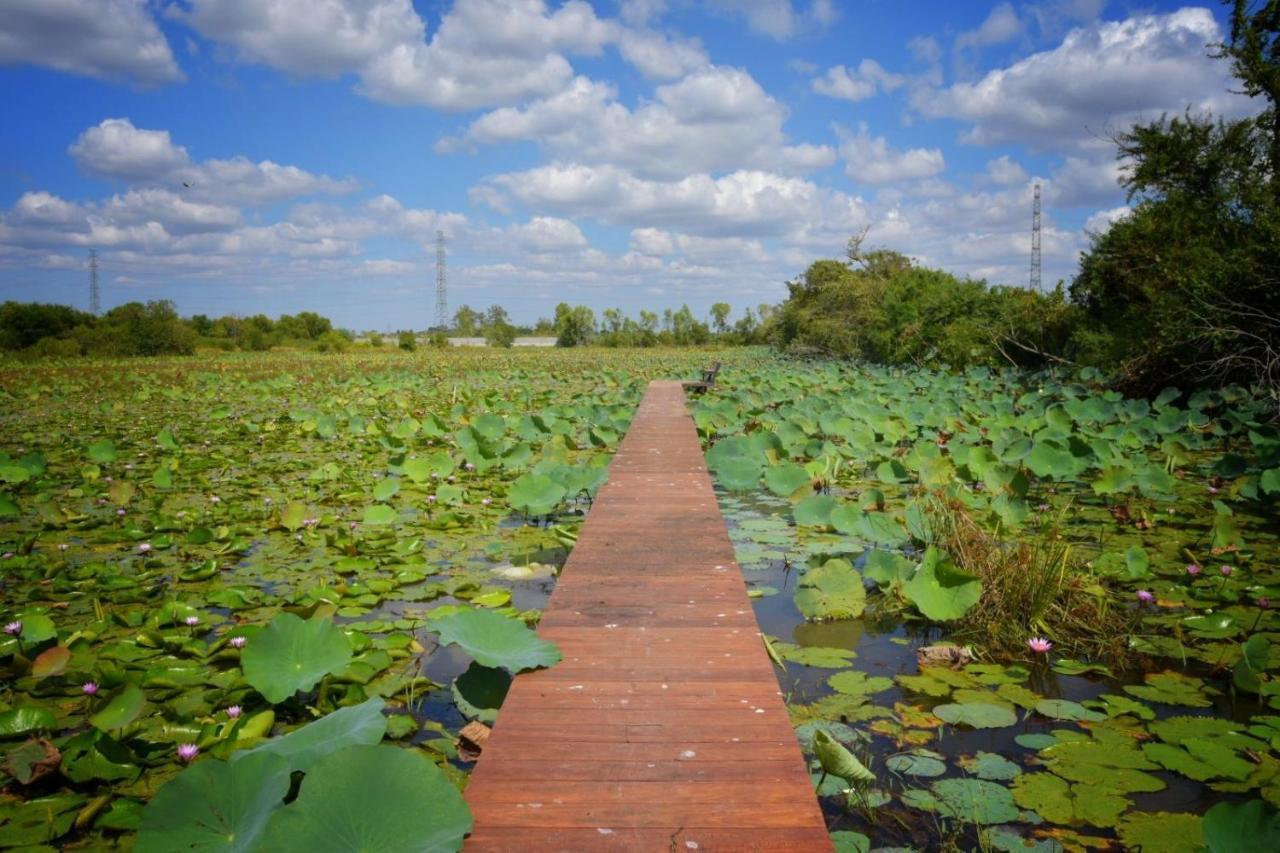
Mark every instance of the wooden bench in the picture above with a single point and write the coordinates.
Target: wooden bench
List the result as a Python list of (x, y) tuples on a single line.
[(708, 380)]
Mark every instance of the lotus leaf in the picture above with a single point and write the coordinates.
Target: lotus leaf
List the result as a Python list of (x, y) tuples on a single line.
[(215, 806), (834, 590), (494, 640), (1242, 827), (1056, 800), (303, 747), (918, 762), (978, 715), (837, 760), (535, 494), (372, 798), (291, 654)]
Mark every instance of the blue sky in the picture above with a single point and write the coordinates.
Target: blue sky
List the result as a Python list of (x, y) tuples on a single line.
[(245, 156)]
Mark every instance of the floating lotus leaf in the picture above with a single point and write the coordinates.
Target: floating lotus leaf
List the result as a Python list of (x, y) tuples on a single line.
[(978, 715), (846, 841), (966, 800), (833, 590), (291, 654), (786, 479), (941, 591), (214, 806), (853, 682), (1062, 709), (494, 639), (988, 765), (304, 746), (814, 511), (37, 821), (121, 710), (535, 494), (1173, 688), (815, 656), (1242, 827), (19, 721), (377, 515), (918, 762), (372, 798), (1058, 801)]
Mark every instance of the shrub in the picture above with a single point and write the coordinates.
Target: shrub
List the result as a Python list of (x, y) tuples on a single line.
[(407, 341)]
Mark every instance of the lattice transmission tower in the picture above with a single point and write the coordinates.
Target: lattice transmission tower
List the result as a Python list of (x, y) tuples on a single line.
[(442, 296), (95, 300), (1035, 240)]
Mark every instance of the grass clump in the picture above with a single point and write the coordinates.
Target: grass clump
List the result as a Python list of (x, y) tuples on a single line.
[(1030, 587)]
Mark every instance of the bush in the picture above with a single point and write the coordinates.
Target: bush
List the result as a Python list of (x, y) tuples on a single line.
[(54, 348), (375, 341), (332, 342), (407, 341)]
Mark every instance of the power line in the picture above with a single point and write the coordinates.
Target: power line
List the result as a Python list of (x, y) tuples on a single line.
[(95, 301), (1035, 240), (442, 301)]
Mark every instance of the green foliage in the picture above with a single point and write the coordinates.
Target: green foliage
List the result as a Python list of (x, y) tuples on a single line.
[(893, 312), (407, 341)]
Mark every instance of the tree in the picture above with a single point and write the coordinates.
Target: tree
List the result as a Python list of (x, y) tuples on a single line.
[(575, 325), (407, 341), (720, 317), (1184, 289), (466, 320)]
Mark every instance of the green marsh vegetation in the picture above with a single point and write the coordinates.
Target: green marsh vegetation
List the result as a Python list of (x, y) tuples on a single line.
[(239, 591), (1102, 568)]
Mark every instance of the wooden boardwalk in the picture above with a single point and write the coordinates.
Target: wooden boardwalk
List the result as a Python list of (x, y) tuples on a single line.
[(663, 728)]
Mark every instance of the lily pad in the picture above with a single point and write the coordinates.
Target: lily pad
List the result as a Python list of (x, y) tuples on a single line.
[(372, 798), (479, 691), (355, 725), (215, 806), (833, 590), (978, 715), (494, 639), (291, 654)]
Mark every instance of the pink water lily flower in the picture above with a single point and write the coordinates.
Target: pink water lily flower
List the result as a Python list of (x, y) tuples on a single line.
[(188, 751), (144, 547), (89, 688), (13, 628), (1226, 571), (192, 621), (1193, 569), (1145, 596), (237, 642), (234, 711), (1039, 645)]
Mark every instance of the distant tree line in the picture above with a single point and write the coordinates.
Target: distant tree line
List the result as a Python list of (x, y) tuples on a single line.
[(577, 325), (155, 328), (1182, 291)]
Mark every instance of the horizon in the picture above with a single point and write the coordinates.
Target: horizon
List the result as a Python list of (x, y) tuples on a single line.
[(240, 157)]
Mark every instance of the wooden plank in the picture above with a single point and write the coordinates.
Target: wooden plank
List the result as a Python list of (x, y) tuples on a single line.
[(663, 727)]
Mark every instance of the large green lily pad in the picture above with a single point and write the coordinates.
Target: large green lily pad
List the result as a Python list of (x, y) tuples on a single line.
[(494, 639), (215, 807), (292, 654), (375, 799)]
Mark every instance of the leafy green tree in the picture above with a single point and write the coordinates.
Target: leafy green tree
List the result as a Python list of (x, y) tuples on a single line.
[(407, 341), (720, 317), (575, 325), (466, 320), (1184, 288), (23, 324)]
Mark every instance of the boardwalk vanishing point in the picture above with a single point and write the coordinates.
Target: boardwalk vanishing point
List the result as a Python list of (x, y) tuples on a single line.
[(663, 728)]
